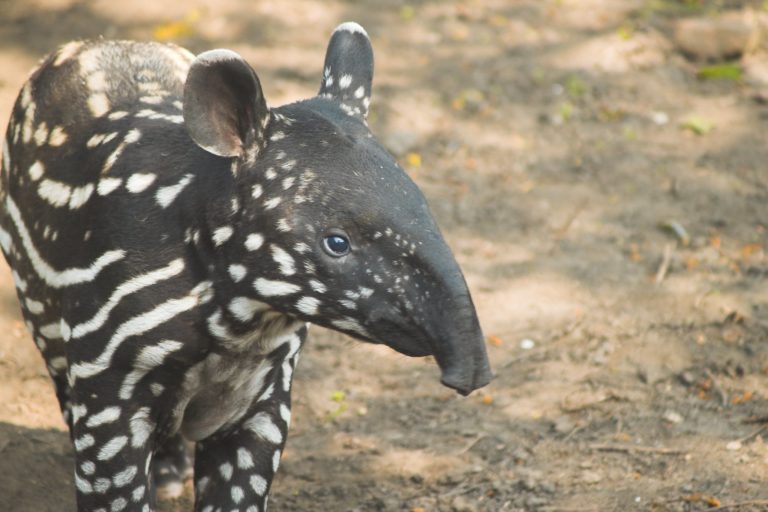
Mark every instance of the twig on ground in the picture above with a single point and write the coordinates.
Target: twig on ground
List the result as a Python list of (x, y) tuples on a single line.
[(661, 273), (753, 434), (631, 448), (562, 230), (738, 504)]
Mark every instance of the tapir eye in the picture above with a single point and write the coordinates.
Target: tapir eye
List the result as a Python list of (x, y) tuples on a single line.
[(336, 245)]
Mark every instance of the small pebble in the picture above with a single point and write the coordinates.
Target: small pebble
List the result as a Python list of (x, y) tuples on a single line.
[(673, 417), (733, 446), (660, 118), (527, 344)]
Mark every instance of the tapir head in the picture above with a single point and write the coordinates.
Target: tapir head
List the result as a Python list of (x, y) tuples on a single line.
[(335, 231)]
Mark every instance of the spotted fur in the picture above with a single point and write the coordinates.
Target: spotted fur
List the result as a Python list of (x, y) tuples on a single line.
[(166, 233)]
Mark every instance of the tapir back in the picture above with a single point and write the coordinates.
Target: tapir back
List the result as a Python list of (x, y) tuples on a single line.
[(95, 162)]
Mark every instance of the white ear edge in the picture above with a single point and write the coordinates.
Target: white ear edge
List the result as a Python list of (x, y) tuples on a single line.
[(351, 26)]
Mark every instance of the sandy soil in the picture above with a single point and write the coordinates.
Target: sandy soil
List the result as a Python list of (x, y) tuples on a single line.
[(550, 139)]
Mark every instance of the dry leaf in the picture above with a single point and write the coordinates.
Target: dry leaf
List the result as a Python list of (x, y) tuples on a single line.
[(495, 341)]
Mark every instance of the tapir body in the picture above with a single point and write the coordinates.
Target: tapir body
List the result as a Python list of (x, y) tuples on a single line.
[(170, 238)]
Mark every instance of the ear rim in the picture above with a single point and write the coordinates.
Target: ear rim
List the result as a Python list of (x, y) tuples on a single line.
[(223, 106)]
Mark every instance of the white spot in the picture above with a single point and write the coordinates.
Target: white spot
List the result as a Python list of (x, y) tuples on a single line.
[(82, 485), (99, 104), (258, 484), (118, 505), (277, 136), (78, 411), (308, 305), (244, 458), (166, 195), (156, 388), (287, 166), (269, 288), (271, 203), (88, 467), (58, 136), (360, 92), (237, 272), (41, 134), (102, 485), (237, 494), (288, 182), (108, 415), (56, 193), (317, 286), (345, 81), (254, 241), (284, 260), (112, 447), (221, 235), (116, 115), (285, 413), (138, 493), (283, 226), (100, 138), (125, 476), (97, 81), (66, 52), (244, 308), (256, 191), (84, 442), (226, 471), (80, 196), (328, 81), (139, 182), (33, 306), (271, 174), (349, 324), (108, 185), (275, 461)]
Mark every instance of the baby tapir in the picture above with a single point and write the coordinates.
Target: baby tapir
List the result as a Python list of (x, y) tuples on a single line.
[(171, 236)]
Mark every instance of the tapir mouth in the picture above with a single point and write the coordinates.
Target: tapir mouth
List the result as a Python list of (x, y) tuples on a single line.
[(467, 376)]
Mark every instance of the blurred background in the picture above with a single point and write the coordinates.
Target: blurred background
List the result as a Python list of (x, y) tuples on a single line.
[(599, 168)]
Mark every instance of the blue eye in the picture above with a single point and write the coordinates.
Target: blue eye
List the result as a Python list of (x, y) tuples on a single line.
[(336, 245)]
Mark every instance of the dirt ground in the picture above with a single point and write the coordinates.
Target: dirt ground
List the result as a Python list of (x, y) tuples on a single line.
[(607, 204)]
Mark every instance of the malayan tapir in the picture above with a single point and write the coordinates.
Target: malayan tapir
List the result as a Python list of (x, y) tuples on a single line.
[(171, 236)]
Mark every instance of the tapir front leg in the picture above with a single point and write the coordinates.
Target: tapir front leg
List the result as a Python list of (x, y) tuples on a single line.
[(237, 466), (113, 449)]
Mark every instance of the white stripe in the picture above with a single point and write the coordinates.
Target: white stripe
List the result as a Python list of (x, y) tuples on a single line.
[(108, 415), (261, 425), (112, 447), (5, 241), (54, 278), (133, 327), (149, 358), (269, 288), (285, 260), (127, 288)]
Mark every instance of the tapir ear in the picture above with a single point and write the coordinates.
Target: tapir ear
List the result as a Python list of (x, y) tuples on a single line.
[(224, 107), (348, 70)]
